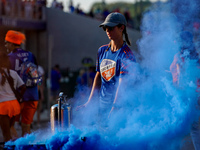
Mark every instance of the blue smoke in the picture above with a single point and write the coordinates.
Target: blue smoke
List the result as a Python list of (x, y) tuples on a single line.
[(153, 113)]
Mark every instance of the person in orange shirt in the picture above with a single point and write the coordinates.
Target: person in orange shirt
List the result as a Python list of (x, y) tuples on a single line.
[(9, 106)]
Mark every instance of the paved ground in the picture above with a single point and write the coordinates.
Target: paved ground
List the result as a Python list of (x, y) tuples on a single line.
[(45, 123)]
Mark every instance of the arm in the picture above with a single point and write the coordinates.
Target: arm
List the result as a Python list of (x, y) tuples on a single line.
[(175, 70), (41, 88), (22, 89), (20, 86), (95, 85)]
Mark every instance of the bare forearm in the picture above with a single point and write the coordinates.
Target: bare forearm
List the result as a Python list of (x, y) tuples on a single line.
[(22, 89), (94, 86)]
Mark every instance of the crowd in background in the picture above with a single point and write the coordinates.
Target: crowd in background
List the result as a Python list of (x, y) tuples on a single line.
[(58, 5), (32, 9), (29, 9), (99, 14)]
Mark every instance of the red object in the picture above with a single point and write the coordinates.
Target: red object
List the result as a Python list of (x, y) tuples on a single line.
[(15, 37)]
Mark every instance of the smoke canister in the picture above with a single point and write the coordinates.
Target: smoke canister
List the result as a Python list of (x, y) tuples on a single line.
[(65, 117)]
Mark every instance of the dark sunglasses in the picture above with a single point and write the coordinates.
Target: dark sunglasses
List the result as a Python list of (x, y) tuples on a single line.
[(109, 28)]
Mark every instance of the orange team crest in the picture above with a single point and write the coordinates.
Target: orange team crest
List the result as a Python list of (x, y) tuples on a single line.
[(108, 69)]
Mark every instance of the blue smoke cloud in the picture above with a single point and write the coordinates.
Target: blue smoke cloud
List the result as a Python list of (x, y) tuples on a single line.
[(153, 113)]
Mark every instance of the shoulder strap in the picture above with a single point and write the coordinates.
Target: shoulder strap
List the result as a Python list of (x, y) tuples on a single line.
[(11, 85)]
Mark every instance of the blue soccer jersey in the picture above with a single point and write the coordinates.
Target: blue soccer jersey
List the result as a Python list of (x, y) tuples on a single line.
[(17, 57), (112, 66)]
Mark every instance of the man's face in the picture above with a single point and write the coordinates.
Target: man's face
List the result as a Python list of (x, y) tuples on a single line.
[(9, 46)]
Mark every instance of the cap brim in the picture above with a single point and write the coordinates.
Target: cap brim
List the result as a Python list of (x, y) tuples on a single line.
[(109, 24)]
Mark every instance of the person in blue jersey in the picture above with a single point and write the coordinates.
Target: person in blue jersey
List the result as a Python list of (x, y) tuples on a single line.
[(178, 68), (112, 65), (17, 56)]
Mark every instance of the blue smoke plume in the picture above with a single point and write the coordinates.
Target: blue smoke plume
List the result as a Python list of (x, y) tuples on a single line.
[(153, 112)]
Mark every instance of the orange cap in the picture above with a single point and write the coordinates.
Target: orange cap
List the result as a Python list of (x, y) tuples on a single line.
[(15, 37)]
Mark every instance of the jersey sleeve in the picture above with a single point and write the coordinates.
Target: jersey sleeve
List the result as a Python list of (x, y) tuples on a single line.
[(127, 62), (97, 61), (100, 53)]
